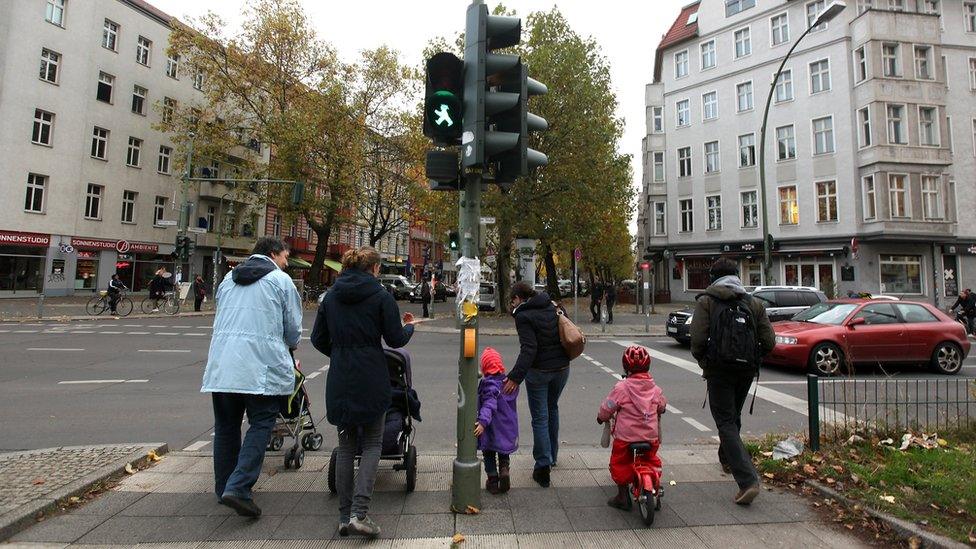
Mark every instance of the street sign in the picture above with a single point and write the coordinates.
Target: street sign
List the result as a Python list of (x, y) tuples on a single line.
[(578, 253), (487, 220), (166, 223), (196, 230)]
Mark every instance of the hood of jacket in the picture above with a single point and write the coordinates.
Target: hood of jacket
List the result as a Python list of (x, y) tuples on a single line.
[(541, 300), (727, 287), (252, 270), (354, 286)]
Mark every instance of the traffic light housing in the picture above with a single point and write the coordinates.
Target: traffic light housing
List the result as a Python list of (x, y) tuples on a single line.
[(442, 99), (184, 248), (191, 247), (441, 169), (455, 241), (297, 193), (521, 160)]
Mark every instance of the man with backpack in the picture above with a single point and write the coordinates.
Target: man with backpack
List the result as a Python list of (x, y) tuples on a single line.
[(730, 333)]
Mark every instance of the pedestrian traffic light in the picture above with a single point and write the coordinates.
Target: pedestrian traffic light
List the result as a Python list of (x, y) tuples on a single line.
[(183, 248), (297, 193), (521, 160), (191, 247), (442, 98), (442, 170), (455, 241)]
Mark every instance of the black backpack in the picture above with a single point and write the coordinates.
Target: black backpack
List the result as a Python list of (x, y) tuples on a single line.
[(732, 334)]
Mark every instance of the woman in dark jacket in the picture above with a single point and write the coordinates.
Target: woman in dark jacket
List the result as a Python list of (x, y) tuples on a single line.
[(352, 319), (544, 366)]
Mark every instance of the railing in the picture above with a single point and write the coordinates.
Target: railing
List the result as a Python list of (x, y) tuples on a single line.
[(839, 407)]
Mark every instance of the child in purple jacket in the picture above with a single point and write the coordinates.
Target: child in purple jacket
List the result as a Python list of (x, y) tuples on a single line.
[(497, 425)]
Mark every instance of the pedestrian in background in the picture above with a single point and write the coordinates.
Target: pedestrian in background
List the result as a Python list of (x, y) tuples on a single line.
[(544, 367), (596, 300), (497, 425), (250, 367), (426, 293), (730, 333), (199, 292), (353, 318), (611, 297)]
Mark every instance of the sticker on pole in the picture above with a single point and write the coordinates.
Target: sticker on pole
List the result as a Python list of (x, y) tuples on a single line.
[(469, 285)]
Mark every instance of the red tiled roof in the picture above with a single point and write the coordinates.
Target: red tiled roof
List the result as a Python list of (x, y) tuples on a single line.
[(679, 32)]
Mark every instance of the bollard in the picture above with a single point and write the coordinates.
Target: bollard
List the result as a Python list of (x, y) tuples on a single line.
[(813, 412), (40, 306)]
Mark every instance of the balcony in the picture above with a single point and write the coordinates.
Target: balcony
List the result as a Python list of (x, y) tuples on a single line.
[(227, 242), (297, 243)]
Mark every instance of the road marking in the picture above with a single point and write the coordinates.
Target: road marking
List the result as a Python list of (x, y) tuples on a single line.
[(4, 331), (324, 368), (198, 445), (180, 326), (137, 333), (164, 350), (598, 363), (193, 334), (132, 325), (84, 381), (717, 438), (52, 349), (82, 332), (110, 332), (25, 331), (156, 326), (607, 370), (167, 333), (206, 327), (586, 356), (313, 375), (674, 410), (694, 423)]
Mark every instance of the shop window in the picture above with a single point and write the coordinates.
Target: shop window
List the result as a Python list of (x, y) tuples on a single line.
[(901, 274), (696, 274)]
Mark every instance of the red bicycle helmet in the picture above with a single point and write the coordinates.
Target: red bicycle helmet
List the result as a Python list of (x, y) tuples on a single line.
[(636, 359)]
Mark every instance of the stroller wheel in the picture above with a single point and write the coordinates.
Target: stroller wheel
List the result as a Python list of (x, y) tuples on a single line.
[(299, 458), (312, 441), (410, 464), (276, 443), (332, 470), (289, 457)]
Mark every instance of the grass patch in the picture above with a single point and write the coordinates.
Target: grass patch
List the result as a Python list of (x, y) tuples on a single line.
[(934, 487)]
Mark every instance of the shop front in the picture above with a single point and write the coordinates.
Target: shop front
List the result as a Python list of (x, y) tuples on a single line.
[(23, 259), (96, 260)]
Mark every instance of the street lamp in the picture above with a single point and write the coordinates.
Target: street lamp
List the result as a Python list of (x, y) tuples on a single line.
[(831, 11)]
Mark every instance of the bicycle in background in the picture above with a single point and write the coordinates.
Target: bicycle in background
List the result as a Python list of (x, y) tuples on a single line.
[(168, 304), (100, 303)]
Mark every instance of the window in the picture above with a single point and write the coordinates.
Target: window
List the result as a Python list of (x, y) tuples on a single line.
[(826, 201), (743, 42), (99, 143), (105, 83), (863, 6), (750, 209), (211, 218), (932, 197), (173, 66), (898, 195), (928, 126), (657, 118), (43, 127), (878, 313), (860, 65), (710, 106), (683, 114), (93, 202), (870, 204), (896, 5), (681, 64), (34, 201), (708, 59), (901, 274), (819, 76), (684, 162), (779, 29), (914, 313), (712, 161), (110, 35), (658, 158), (931, 6), (687, 215), (923, 63), (714, 207), (159, 209), (696, 273), (743, 96), (864, 124), (974, 136), (952, 148), (747, 150), (128, 206), (784, 86), (785, 143), (198, 80), (49, 65), (789, 208), (276, 227), (972, 73), (890, 54), (139, 95), (169, 108), (896, 125), (969, 16), (133, 152), (813, 11), (733, 7), (55, 12), (162, 165), (823, 135), (143, 50), (660, 219)]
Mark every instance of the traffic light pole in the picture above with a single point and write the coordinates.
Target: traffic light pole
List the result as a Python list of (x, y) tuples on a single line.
[(466, 485)]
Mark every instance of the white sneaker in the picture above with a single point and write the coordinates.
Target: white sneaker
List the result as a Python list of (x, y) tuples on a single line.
[(363, 527), (155, 310)]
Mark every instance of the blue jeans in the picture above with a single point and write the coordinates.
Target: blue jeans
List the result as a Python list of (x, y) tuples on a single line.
[(543, 390), (236, 465)]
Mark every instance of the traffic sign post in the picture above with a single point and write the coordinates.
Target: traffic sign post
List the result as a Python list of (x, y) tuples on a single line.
[(646, 289)]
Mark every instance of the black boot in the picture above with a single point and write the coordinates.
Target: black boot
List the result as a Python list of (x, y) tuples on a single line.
[(504, 481), (492, 484), (622, 499), (541, 476)]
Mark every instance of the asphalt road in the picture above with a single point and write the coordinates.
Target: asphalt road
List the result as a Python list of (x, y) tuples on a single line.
[(131, 380)]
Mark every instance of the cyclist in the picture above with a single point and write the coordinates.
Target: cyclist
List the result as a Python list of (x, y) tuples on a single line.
[(161, 283), (966, 302), (115, 288)]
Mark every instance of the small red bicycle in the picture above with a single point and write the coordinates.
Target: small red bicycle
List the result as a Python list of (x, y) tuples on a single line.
[(646, 485)]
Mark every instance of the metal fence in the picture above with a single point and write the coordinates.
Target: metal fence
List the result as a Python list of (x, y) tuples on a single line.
[(839, 407)]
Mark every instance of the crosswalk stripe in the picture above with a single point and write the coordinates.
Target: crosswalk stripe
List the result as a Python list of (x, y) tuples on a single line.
[(696, 424), (198, 445), (674, 410)]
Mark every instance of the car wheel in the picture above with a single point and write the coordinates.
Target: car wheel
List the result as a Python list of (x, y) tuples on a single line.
[(947, 358), (826, 360)]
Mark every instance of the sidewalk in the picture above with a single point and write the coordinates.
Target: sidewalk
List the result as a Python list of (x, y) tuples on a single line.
[(173, 503), (73, 308)]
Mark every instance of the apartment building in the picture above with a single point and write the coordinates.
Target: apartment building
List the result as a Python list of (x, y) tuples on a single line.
[(870, 146), (89, 187)]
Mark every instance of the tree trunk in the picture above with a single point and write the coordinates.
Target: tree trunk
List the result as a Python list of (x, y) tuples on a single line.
[(552, 276), (323, 230), (503, 262)]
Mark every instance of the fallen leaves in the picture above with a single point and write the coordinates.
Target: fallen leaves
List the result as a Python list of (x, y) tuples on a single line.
[(472, 510), (153, 456), (809, 469), (130, 469), (38, 481), (672, 483), (458, 538), (887, 498)]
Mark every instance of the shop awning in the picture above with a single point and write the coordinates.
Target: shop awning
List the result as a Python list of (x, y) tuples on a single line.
[(235, 258), (334, 265), (298, 263)]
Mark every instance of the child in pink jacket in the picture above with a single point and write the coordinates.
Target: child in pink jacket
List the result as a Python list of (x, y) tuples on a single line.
[(635, 402)]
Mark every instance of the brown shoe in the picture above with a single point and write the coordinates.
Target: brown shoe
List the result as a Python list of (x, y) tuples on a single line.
[(492, 484), (746, 495), (504, 481)]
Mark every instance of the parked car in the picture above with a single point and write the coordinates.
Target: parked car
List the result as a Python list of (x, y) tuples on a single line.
[(488, 297), (678, 326), (565, 287), (440, 293), (782, 302), (828, 336), (398, 285)]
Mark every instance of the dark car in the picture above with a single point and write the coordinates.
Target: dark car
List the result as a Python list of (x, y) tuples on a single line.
[(398, 285), (440, 293), (783, 302), (678, 326)]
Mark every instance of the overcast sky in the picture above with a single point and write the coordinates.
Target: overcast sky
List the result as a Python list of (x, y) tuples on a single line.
[(627, 30)]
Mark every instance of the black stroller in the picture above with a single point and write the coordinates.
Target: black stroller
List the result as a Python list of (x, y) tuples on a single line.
[(398, 433), (295, 421)]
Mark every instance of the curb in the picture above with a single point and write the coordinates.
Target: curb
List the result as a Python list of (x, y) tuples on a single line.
[(512, 333), (903, 527), (20, 320), (23, 517)]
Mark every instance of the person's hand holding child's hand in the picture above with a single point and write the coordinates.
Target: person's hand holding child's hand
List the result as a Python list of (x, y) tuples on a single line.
[(479, 429), (509, 387)]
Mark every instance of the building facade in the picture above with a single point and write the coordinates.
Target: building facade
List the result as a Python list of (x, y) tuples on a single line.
[(870, 147), (89, 186)]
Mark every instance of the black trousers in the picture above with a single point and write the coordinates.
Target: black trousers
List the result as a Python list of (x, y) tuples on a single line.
[(727, 392), (610, 304), (426, 308), (595, 310), (197, 302)]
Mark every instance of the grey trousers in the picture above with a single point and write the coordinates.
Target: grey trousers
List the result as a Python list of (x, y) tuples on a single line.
[(355, 491)]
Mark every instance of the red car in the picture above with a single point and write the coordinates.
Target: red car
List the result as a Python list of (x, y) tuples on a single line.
[(825, 337)]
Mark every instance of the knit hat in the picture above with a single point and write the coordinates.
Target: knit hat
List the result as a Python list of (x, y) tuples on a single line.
[(491, 362)]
